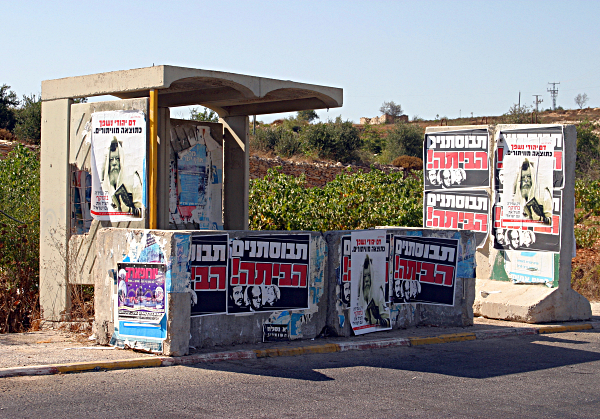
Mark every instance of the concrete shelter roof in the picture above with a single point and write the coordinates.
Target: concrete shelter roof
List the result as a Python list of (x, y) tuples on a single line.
[(228, 94)]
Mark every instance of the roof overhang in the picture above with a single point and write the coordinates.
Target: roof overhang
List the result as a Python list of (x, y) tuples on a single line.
[(228, 94)]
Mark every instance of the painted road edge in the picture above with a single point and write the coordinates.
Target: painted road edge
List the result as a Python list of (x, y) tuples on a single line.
[(162, 361)]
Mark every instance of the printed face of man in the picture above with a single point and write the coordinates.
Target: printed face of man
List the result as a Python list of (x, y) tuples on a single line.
[(500, 236), (114, 167), (270, 294), (514, 238), (114, 161), (255, 297), (526, 238), (398, 288), (526, 181), (432, 174), (238, 296), (346, 291), (447, 178), (366, 279)]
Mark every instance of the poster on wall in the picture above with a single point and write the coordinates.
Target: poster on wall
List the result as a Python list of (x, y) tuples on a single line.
[(529, 267), (456, 159), (208, 269), (141, 296), (269, 273), (525, 180), (508, 235), (543, 147), (369, 311), (424, 270), (463, 210), (196, 178), (344, 278), (118, 159)]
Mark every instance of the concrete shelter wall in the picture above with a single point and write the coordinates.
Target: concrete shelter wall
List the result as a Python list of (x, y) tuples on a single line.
[(324, 316), (411, 314)]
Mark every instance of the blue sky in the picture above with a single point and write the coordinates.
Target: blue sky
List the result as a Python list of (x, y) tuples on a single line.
[(432, 57)]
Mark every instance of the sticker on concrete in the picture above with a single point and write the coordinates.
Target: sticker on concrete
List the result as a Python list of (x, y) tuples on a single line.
[(275, 332), (368, 309), (118, 165), (269, 273), (456, 159), (208, 266), (424, 270)]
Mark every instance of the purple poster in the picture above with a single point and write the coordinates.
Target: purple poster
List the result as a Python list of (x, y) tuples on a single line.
[(141, 292)]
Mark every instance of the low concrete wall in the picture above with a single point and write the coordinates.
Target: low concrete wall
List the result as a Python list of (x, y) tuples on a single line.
[(412, 314), (325, 313)]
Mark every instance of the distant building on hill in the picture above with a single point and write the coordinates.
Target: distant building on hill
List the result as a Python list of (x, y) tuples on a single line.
[(383, 119)]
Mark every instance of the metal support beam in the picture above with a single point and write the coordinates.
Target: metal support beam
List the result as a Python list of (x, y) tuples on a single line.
[(153, 161)]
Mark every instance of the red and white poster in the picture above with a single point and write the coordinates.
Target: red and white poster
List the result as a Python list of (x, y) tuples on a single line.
[(118, 144)]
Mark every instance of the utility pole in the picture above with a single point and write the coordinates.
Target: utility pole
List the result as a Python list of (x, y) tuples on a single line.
[(519, 100), (537, 101), (553, 93)]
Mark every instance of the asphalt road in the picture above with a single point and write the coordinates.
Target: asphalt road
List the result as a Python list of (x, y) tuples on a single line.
[(530, 376)]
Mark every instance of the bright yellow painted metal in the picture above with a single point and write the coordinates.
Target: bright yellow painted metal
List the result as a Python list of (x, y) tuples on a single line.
[(153, 161)]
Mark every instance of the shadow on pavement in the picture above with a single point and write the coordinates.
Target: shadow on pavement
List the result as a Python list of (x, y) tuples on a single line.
[(472, 359)]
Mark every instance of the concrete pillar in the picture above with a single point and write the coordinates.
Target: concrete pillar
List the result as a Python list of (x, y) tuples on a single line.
[(236, 172), (164, 157), (55, 208), (536, 303)]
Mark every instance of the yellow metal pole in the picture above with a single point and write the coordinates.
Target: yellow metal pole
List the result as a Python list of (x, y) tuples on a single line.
[(152, 160)]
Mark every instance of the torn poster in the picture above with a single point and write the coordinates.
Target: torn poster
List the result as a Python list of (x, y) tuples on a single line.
[(208, 265), (118, 165)]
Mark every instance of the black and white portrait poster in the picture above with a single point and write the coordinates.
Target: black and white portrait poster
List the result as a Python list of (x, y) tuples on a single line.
[(456, 159), (463, 210), (369, 311), (528, 237), (118, 159), (208, 268), (526, 175), (424, 270), (532, 143), (269, 273)]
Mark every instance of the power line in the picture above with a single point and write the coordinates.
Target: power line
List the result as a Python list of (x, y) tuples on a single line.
[(554, 94), (537, 101)]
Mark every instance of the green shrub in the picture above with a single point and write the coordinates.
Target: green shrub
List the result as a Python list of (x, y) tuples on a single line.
[(351, 201), (19, 239), (372, 139), (335, 140), (404, 140), (587, 196), (586, 238), (588, 154), (29, 119)]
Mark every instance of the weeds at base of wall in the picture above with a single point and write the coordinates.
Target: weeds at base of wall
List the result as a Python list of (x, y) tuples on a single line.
[(82, 303), (586, 281), (19, 303)]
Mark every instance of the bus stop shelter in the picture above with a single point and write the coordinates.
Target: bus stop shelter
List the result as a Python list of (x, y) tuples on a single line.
[(67, 260)]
